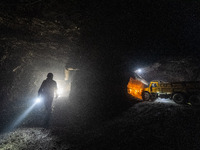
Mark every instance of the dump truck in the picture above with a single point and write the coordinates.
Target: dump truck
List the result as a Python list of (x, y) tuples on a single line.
[(179, 92)]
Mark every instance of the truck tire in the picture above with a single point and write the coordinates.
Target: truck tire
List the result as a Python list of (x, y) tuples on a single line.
[(179, 98), (153, 97), (145, 96), (195, 100)]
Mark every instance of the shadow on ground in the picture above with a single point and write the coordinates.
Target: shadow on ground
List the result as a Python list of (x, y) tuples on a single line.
[(146, 125)]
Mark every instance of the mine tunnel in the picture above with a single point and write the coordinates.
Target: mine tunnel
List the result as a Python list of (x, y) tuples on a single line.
[(167, 79), (103, 55), (94, 90)]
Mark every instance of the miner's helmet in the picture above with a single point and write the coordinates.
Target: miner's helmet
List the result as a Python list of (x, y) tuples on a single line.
[(50, 75)]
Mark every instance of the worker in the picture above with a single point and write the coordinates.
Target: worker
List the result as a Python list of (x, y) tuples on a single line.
[(46, 91)]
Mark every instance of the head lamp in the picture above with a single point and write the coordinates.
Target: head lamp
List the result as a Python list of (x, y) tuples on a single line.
[(38, 100)]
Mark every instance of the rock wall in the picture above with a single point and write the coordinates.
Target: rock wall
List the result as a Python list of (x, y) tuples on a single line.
[(172, 70), (30, 48)]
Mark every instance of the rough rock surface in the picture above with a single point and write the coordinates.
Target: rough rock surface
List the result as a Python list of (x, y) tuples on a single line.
[(172, 70), (105, 41), (30, 48)]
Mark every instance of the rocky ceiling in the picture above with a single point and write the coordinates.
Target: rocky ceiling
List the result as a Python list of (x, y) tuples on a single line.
[(106, 39)]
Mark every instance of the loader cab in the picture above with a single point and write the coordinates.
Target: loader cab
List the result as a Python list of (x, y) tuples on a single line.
[(153, 87)]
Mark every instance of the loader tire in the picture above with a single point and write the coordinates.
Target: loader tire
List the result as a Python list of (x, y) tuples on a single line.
[(195, 100), (179, 98), (145, 96)]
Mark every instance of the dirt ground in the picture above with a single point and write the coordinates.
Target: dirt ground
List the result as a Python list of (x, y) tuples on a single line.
[(146, 125)]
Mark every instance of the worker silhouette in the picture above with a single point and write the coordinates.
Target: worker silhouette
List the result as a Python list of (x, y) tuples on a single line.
[(46, 92)]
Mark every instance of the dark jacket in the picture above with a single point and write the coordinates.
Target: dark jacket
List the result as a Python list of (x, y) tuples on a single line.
[(48, 88)]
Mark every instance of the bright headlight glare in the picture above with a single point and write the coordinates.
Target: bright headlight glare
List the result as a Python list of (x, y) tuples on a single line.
[(139, 71), (38, 100), (60, 91)]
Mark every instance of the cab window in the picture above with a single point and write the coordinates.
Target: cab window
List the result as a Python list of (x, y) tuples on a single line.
[(154, 85)]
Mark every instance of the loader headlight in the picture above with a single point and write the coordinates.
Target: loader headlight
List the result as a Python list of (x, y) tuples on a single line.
[(138, 71)]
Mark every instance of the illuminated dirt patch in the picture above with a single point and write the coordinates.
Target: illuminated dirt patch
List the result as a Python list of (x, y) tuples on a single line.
[(135, 88), (30, 138), (165, 100)]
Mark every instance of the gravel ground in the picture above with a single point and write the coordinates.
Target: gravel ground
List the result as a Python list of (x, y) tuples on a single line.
[(146, 125)]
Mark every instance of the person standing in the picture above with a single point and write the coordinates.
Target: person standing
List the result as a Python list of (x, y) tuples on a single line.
[(46, 91)]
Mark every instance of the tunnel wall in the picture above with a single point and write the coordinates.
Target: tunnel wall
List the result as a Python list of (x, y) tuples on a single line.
[(172, 70), (30, 48)]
